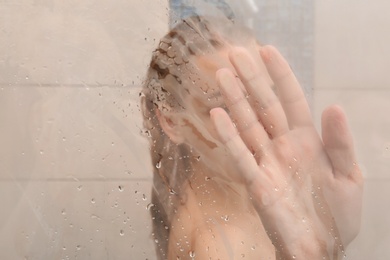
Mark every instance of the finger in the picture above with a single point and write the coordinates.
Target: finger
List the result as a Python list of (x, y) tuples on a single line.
[(243, 158), (288, 88), (248, 125), (261, 96), (338, 141)]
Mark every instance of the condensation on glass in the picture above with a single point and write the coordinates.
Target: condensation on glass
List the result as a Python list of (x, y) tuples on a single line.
[(86, 172), (75, 171)]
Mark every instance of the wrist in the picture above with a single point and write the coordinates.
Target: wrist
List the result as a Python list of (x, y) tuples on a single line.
[(310, 247), (303, 248)]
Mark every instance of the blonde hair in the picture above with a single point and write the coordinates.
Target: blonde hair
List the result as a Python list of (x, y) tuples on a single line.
[(170, 74)]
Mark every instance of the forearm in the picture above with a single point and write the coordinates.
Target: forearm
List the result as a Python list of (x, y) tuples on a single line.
[(295, 243), (307, 248), (296, 231)]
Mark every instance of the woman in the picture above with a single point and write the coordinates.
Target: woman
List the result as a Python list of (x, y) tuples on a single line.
[(240, 171)]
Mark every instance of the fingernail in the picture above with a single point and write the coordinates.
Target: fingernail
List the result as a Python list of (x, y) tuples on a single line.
[(265, 54), (225, 78), (227, 83), (238, 58), (222, 124), (242, 63)]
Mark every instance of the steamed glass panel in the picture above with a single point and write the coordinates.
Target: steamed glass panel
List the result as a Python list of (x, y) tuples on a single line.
[(74, 164), (76, 172)]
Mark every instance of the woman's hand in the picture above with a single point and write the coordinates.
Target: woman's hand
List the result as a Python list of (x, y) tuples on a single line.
[(306, 190)]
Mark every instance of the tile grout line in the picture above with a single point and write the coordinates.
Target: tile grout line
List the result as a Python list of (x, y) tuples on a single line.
[(351, 89), (73, 179), (58, 85)]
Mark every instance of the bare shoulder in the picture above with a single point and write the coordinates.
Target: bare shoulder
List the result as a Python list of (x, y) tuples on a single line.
[(181, 234), (228, 241), (216, 239)]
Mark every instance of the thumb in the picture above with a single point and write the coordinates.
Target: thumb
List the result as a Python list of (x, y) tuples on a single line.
[(338, 141)]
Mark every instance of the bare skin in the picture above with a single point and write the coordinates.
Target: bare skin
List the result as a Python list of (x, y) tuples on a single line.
[(285, 184)]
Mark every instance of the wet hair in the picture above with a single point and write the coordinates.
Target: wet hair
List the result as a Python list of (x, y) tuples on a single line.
[(169, 79)]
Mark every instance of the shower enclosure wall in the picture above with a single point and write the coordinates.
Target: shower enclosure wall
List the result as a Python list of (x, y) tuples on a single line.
[(75, 172)]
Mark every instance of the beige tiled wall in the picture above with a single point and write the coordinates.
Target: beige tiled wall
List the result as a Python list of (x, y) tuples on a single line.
[(352, 59), (75, 180)]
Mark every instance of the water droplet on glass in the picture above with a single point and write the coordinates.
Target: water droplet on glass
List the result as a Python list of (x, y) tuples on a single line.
[(192, 254), (149, 206), (78, 247), (80, 187), (64, 138), (95, 216), (121, 232), (93, 200), (158, 165), (120, 188), (207, 178), (276, 189), (226, 218)]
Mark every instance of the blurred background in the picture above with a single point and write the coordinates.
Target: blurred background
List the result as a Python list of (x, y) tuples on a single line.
[(75, 173)]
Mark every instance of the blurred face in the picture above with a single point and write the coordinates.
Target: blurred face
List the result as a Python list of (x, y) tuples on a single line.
[(201, 97), (200, 94)]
